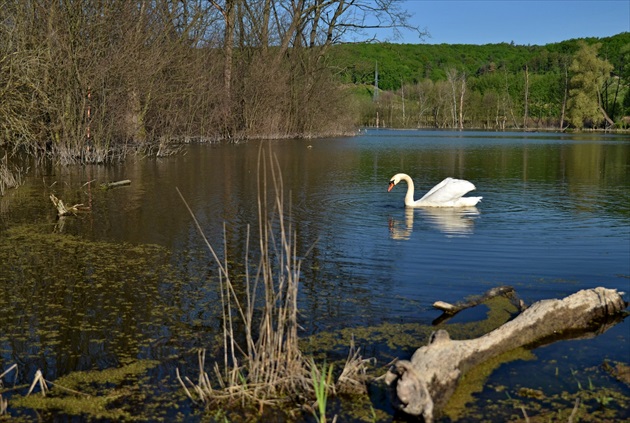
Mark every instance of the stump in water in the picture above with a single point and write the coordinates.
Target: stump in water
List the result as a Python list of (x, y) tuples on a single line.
[(424, 384)]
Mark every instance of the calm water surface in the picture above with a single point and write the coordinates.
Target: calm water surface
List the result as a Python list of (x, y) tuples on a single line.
[(554, 219)]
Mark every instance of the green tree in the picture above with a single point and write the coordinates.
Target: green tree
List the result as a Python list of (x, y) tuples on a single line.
[(589, 74)]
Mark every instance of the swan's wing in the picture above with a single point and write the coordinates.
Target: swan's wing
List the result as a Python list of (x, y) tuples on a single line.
[(448, 190)]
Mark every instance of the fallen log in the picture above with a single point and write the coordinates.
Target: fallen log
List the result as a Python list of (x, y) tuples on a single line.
[(116, 184), (422, 385)]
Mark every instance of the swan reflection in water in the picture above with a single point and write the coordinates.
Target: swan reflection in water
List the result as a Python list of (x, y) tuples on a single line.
[(450, 221)]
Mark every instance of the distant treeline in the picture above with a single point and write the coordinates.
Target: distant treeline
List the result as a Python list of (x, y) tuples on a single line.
[(575, 83)]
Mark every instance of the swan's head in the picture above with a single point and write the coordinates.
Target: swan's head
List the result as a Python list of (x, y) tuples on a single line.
[(393, 182)]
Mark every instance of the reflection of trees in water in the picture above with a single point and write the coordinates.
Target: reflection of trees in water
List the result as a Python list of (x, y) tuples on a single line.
[(596, 162)]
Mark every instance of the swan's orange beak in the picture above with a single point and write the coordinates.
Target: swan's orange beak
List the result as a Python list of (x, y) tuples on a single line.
[(391, 185)]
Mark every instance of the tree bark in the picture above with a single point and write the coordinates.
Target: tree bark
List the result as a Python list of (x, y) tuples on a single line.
[(424, 384)]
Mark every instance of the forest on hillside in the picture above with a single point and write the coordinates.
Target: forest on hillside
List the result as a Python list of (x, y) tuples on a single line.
[(89, 81), (575, 84)]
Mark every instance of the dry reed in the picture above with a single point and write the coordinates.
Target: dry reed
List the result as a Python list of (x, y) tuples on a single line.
[(4, 403), (9, 178), (266, 366)]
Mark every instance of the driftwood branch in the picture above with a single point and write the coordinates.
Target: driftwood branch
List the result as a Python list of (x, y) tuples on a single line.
[(423, 385), (450, 310), (65, 210)]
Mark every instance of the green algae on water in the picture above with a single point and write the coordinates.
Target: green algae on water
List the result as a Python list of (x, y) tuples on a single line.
[(92, 393)]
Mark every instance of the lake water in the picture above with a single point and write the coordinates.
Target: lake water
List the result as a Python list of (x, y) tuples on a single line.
[(132, 279)]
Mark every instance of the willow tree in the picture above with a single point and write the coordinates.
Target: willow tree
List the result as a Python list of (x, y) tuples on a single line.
[(589, 74)]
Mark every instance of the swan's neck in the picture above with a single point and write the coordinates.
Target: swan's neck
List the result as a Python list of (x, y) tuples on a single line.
[(410, 190)]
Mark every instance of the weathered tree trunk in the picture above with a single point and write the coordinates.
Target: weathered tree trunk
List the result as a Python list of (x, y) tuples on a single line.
[(451, 75), (525, 114), (564, 97), (425, 383), (461, 100), (601, 109)]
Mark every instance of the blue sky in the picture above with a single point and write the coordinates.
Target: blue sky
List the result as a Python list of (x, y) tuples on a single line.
[(525, 22)]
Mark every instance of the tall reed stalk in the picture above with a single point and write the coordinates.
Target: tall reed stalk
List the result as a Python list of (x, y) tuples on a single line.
[(265, 366)]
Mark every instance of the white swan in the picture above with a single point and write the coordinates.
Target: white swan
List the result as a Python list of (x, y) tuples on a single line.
[(448, 193)]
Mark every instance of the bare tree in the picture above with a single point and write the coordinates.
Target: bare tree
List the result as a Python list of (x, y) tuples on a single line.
[(451, 77), (83, 79), (421, 93), (457, 83), (462, 93)]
